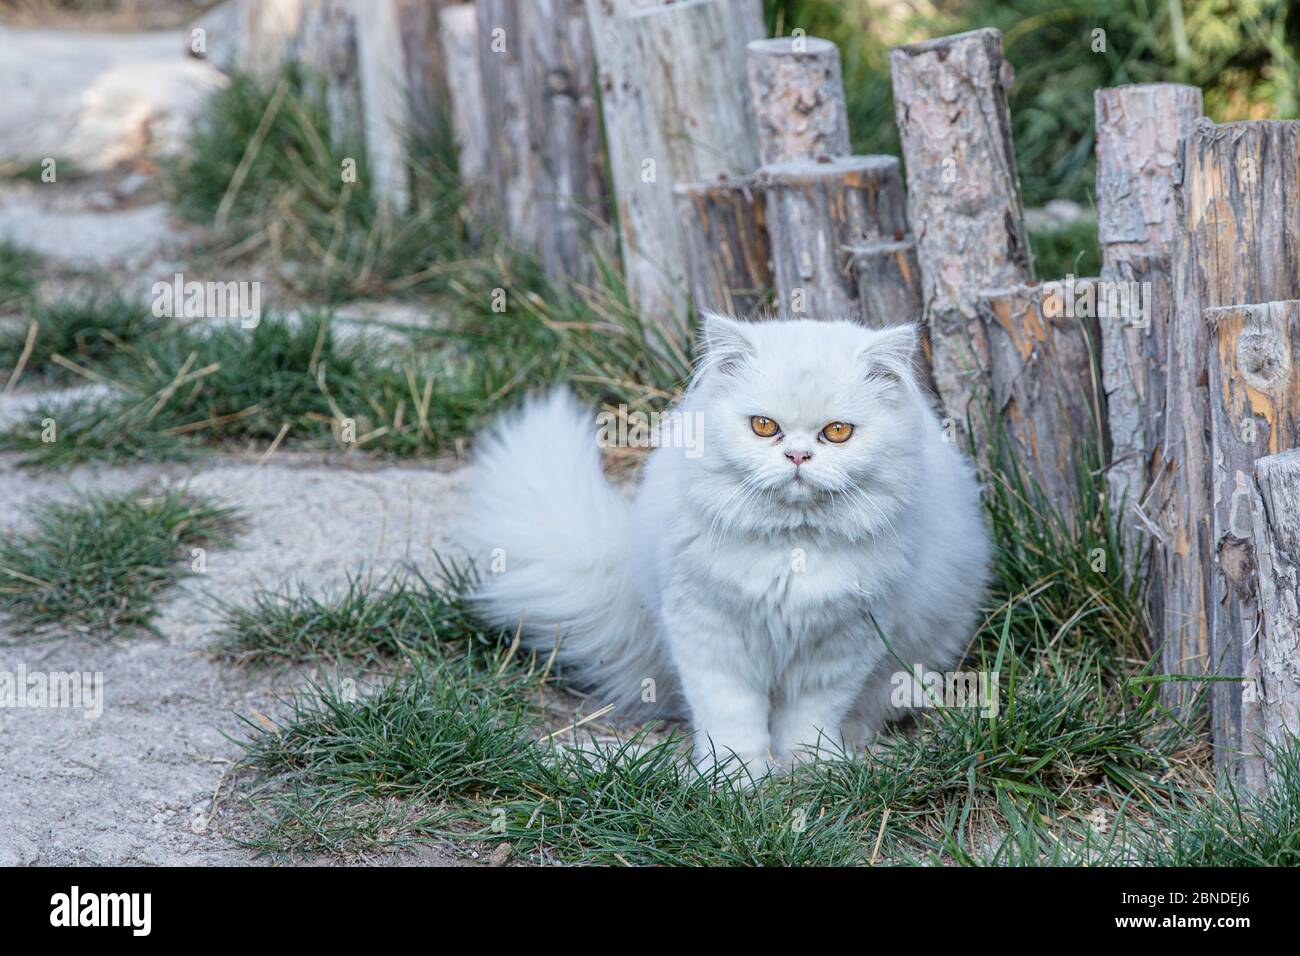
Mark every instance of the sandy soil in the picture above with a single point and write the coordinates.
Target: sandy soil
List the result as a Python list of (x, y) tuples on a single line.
[(144, 783)]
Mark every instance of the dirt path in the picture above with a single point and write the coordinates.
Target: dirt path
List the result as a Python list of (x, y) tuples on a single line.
[(136, 786)]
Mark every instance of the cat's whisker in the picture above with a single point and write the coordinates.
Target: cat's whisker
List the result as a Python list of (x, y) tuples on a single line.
[(724, 508)]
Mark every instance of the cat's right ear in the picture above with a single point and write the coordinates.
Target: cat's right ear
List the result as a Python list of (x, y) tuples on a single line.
[(726, 344)]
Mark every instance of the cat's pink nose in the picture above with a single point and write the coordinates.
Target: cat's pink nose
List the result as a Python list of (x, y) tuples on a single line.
[(798, 457)]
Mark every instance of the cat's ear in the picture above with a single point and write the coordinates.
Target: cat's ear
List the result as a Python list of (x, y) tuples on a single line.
[(891, 354), (726, 344)]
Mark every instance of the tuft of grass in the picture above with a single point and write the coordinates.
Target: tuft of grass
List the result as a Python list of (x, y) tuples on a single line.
[(37, 171), (62, 432), (454, 743), (368, 620), (300, 381), (264, 167), (1229, 828), (87, 331), (18, 267), (98, 565), (178, 388)]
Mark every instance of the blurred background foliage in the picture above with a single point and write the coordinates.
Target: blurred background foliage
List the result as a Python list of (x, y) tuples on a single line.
[(1243, 54)]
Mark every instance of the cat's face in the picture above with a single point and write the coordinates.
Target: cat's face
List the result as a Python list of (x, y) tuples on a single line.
[(807, 414)]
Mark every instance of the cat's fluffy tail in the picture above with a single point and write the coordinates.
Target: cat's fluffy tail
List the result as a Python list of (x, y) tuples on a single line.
[(552, 540)]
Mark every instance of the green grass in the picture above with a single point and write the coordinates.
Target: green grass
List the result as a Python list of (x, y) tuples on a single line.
[(178, 389), (37, 171), (1228, 828), (87, 331), (590, 337), (342, 775), (184, 389), (1070, 250), (1071, 771), (452, 742), (18, 268), (61, 432), (447, 750), (368, 619), (99, 564), (264, 169)]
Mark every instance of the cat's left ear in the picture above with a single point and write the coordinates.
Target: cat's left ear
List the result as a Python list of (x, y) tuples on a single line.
[(891, 354)]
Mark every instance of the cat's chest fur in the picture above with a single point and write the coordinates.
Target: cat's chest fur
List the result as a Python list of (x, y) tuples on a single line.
[(790, 587)]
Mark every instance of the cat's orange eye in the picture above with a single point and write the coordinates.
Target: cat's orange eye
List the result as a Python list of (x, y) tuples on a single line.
[(764, 427), (837, 432)]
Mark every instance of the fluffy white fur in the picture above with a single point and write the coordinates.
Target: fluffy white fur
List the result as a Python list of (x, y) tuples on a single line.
[(727, 589)]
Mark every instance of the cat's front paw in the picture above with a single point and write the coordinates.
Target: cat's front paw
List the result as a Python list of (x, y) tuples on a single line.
[(821, 752), (811, 745), (745, 767)]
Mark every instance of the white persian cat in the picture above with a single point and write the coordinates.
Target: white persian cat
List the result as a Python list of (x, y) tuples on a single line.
[(821, 537)]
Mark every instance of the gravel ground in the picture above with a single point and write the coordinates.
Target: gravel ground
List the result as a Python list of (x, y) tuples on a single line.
[(143, 783)]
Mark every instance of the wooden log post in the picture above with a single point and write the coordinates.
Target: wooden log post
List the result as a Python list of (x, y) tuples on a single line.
[(327, 50), (950, 103), (1138, 131), (649, 240), (889, 282), (673, 95), (1254, 384), (559, 81), (889, 293), (385, 103), (458, 31), (797, 94), (1276, 525), (258, 38), (692, 56), (512, 181), (1239, 229), (1043, 384), (728, 252), (215, 36), (425, 74), (266, 34), (817, 212)]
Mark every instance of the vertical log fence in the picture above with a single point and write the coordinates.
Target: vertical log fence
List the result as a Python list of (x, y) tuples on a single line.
[(1236, 246), (380, 62)]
